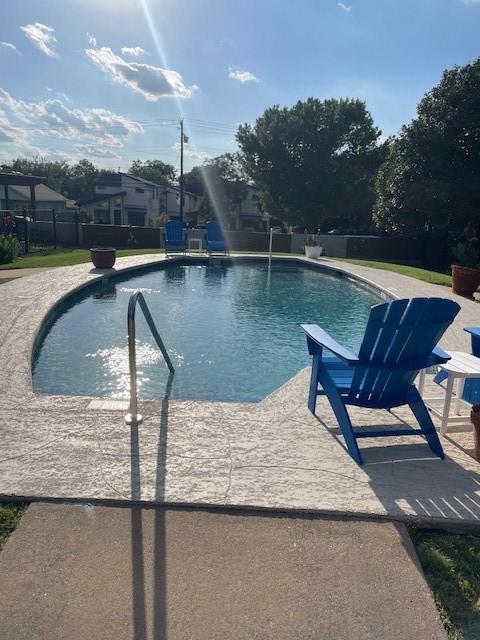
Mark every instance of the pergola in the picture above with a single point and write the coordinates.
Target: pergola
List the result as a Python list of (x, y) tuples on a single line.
[(20, 180)]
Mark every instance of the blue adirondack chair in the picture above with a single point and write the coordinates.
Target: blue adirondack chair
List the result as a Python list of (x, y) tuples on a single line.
[(400, 340), (175, 237), (471, 387), (215, 240)]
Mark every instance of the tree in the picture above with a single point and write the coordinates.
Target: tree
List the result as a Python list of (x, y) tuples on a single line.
[(153, 170), (430, 177), (314, 161), (221, 185), (55, 172)]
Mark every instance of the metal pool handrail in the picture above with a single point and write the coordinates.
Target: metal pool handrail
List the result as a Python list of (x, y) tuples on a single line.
[(133, 417)]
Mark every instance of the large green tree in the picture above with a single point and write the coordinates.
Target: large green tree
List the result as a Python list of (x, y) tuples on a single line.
[(430, 179), (221, 184), (314, 161), (153, 170)]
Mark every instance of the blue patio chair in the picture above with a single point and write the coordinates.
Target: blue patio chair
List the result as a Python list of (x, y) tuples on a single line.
[(400, 340), (471, 387), (215, 240), (175, 237)]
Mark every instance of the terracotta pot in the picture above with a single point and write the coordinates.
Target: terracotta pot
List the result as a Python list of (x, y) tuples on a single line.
[(103, 257), (465, 281), (475, 418)]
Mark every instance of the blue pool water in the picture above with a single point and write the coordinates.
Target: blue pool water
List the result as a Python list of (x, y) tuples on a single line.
[(232, 331)]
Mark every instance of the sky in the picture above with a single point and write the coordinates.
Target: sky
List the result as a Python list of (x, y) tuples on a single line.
[(109, 80)]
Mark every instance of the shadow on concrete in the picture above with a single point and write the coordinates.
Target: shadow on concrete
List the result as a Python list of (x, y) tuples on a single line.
[(409, 479), (140, 622)]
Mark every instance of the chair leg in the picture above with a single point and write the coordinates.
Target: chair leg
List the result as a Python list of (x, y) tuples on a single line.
[(342, 416), (420, 412), (312, 394)]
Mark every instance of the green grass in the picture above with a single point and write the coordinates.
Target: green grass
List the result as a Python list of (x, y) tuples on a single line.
[(3, 280), (432, 277), (10, 514), (451, 563), (65, 257)]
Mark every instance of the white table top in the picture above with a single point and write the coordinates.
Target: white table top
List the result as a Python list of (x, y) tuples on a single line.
[(462, 365)]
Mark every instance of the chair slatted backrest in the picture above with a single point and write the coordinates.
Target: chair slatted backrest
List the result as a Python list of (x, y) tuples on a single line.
[(174, 232), (214, 232), (398, 340)]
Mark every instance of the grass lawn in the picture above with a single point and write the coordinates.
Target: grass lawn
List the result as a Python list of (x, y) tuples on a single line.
[(451, 563), (433, 277), (10, 514), (65, 257)]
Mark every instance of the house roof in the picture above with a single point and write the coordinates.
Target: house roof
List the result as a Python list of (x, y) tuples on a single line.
[(42, 193), (99, 197), (16, 178)]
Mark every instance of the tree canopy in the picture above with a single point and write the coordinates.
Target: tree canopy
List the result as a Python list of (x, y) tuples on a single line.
[(221, 184), (430, 179), (71, 180), (314, 162), (153, 170)]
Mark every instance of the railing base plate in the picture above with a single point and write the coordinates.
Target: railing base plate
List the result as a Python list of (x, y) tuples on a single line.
[(131, 419)]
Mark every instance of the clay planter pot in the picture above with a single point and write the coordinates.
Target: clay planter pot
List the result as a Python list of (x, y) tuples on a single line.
[(475, 418), (103, 257), (465, 281)]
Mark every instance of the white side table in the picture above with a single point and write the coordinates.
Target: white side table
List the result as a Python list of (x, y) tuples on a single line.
[(195, 244), (460, 367)]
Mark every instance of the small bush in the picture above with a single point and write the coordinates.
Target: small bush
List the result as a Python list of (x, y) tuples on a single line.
[(9, 248)]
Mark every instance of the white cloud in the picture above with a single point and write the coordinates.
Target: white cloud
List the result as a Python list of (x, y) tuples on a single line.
[(54, 119), (241, 76), (42, 37), (92, 41), (344, 7), (8, 46), (96, 152), (132, 51), (151, 82), (192, 153)]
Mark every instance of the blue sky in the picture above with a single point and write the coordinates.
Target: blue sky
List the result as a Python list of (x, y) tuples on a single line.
[(109, 79)]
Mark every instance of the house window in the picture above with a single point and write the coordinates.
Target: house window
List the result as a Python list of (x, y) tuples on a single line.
[(117, 216), (101, 216), (254, 196), (136, 218), (138, 190), (101, 187)]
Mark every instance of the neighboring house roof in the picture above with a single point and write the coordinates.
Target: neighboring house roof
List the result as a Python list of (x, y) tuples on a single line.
[(42, 193), (99, 197)]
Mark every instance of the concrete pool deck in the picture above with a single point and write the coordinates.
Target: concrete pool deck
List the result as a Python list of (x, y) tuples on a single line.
[(270, 455)]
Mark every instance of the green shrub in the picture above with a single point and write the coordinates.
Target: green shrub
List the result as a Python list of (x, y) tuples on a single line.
[(466, 255), (9, 248)]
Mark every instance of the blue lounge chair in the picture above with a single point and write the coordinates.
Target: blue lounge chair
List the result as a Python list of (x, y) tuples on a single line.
[(399, 341), (215, 239), (471, 387), (175, 237)]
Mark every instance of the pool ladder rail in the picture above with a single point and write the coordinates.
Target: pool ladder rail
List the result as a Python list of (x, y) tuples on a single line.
[(133, 417)]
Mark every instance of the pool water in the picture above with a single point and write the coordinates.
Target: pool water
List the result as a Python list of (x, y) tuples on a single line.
[(232, 331)]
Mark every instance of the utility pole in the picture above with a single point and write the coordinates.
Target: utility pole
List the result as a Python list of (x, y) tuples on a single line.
[(181, 169)]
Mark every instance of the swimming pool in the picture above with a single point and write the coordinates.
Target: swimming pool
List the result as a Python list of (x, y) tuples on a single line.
[(232, 330)]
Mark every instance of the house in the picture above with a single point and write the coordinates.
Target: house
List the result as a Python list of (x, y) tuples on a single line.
[(249, 216), (121, 198), (46, 199)]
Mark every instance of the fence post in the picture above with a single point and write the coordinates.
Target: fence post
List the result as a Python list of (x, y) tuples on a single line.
[(25, 231), (54, 220), (77, 235)]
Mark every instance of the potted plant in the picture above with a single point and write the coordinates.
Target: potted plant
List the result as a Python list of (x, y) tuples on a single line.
[(465, 271), (312, 248), (103, 257)]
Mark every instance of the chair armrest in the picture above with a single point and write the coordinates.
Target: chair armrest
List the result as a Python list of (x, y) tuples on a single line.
[(323, 339), (474, 331), (439, 356)]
